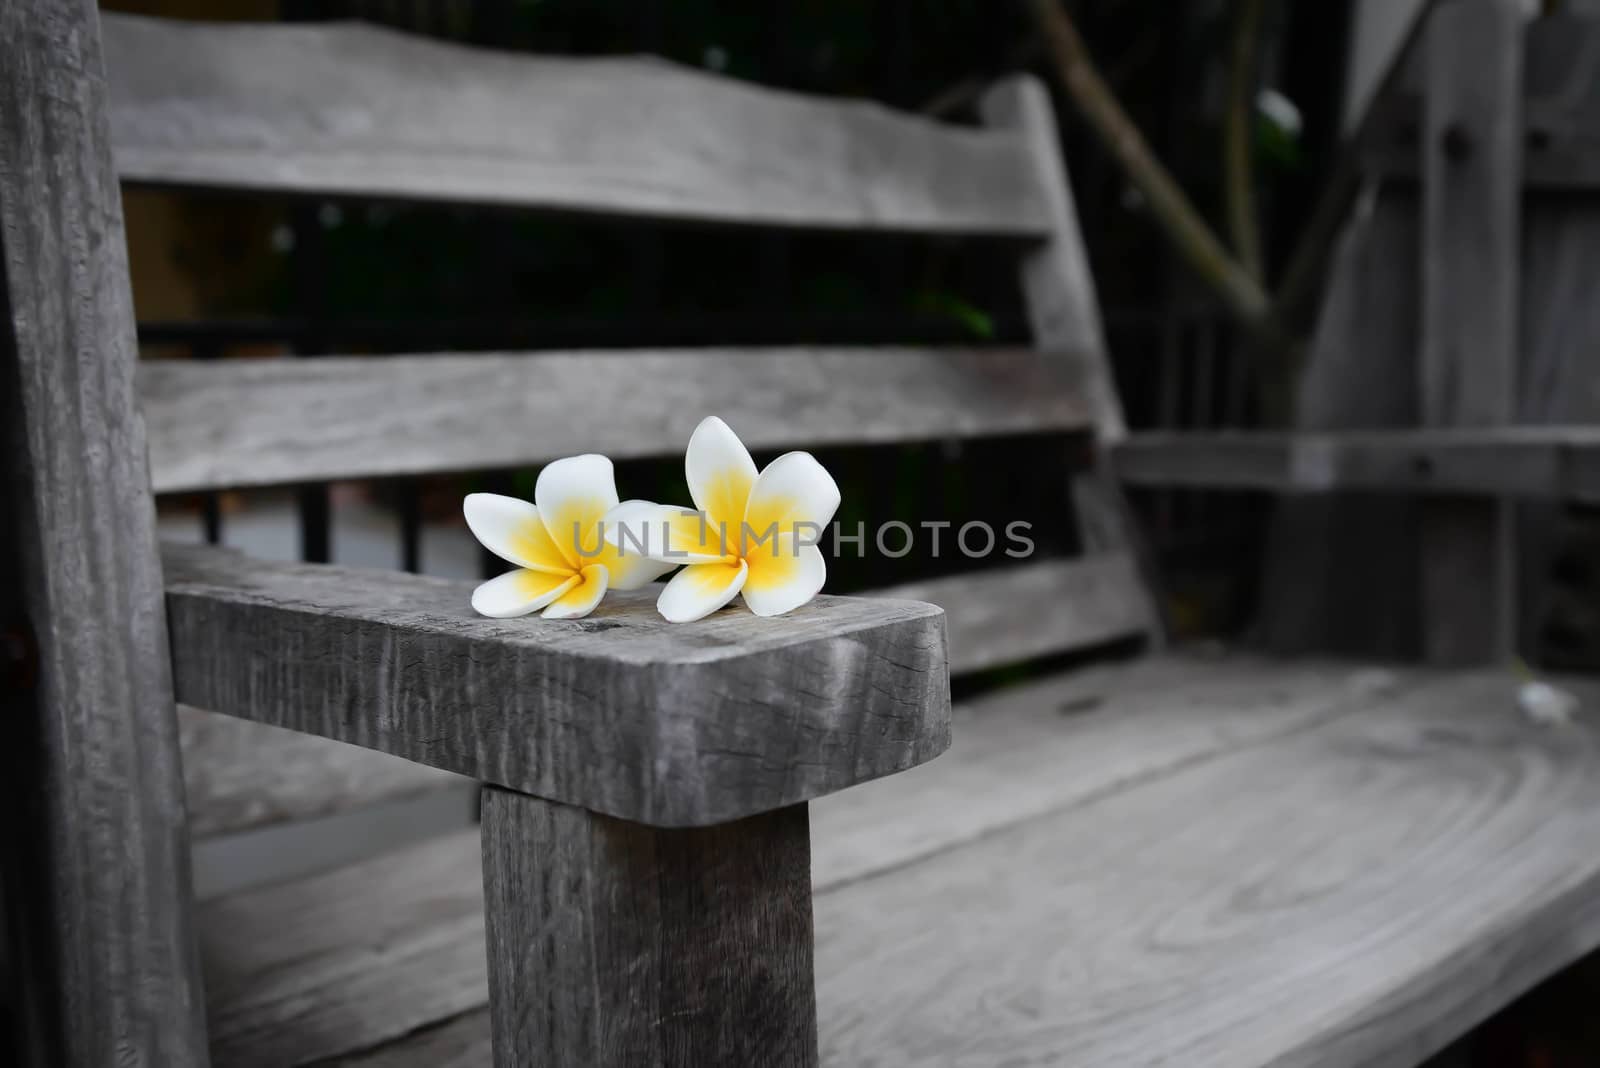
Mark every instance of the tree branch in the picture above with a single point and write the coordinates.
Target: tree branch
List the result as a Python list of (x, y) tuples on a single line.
[(1179, 220), (1238, 136)]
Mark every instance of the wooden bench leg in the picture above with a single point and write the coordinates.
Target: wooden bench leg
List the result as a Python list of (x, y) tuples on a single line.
[(612, 943)]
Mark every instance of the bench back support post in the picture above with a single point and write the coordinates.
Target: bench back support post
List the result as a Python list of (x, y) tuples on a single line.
[(1064, 313), (1471, 253), (97, 860), (613, 943)]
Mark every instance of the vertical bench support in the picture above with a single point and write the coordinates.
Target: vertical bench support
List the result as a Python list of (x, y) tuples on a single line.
[(1064, 311), (101, 957), (613, 943), (1472, 249)]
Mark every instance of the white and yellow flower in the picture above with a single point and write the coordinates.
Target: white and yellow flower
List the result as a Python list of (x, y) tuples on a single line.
[(750, 533), (562, 564)]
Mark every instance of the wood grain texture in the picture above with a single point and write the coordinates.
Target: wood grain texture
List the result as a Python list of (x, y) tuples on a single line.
[(1064, 315), (1536, 461), (1560, 384), (1342, 571), (242, 776), (257, 422), (461, 1042), (1035, 748), (616, 944), (1227, 862), (1560, 106), (1057, 285), (621, 712), (1004, 615), (352, 108), (101, 952), (1359, 893), (1471, 252), (1560, 379), (342, 962)]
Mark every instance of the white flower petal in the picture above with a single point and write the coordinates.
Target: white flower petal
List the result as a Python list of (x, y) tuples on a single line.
[(666, 532), (572, 495), (720, 472), (629, 571), (700, 589), (784, 577), (513, 531), (794, 489), (516, 593), (581, 599)]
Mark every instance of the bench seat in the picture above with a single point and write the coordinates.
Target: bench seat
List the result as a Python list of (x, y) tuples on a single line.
[(243, 776), (1214, 860)]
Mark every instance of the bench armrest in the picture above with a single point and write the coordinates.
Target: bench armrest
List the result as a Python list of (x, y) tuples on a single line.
[(620, 713)]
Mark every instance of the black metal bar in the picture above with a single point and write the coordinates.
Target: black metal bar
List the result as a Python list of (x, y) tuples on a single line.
[(311, 275), (408, 504), (210, 503)]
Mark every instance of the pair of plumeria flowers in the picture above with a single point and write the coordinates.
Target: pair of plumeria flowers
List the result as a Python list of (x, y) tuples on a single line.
[(748, 533)]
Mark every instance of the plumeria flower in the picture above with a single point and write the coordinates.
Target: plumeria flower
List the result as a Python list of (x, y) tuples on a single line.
[(748, 533), (563, 565)]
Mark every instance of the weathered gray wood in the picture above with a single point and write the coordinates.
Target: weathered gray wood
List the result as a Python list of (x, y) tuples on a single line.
[(256, 422), (616, 944), (1028, 750), (1471, 234), (1341, 572), (1560, 377), (1310, 864), (97, 868), (241, 776), (621, 712), (1535, 461), (344, 961), (1356, 894), (1056, 282), (1064, 313), (1003, 615), (1560, 104), (461, 1042), (1560, 384), (351, 108), (1021, 753)]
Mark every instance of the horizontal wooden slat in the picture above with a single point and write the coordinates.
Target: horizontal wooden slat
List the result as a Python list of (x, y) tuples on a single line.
[(1019, 751), (1359, 893), (346, 108), (342, 961), (1559, 462), (258, 422), (242, 776), (1003, 615), (621, 713)]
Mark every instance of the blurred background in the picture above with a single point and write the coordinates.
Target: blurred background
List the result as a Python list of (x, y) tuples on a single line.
[(234, 278)]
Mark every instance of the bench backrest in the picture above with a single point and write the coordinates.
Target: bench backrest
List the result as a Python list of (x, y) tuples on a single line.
[(355, 110)]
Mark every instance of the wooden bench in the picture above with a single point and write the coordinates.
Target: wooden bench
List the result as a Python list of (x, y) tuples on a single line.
[(1174, 858)]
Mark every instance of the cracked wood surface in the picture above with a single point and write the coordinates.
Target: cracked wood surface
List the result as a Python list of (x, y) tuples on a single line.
[(621, 713)]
